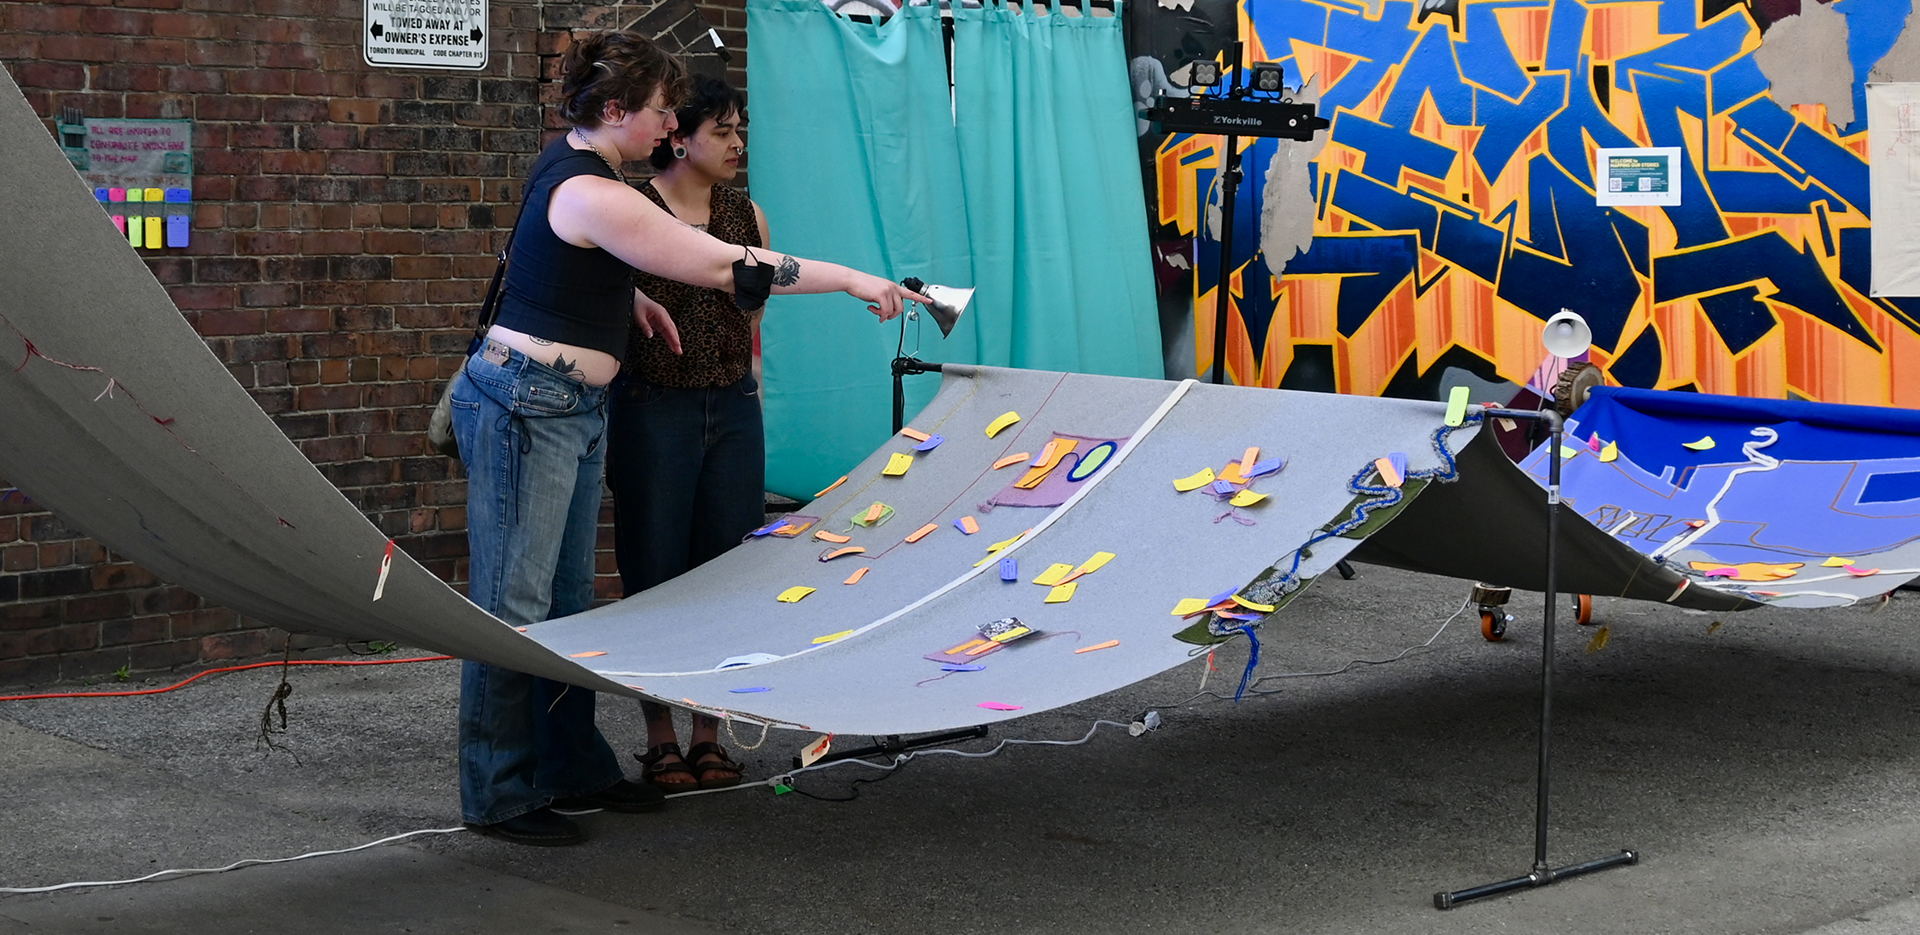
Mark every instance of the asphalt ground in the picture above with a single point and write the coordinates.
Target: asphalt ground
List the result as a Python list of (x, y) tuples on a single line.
[(1763, 765)]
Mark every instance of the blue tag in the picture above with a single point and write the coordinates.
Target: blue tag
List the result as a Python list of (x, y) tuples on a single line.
[(950, 667), (776, 524), (742, 691), (179, 196), (1263, 468), (177, 230), (1009, 569), (933, 441)]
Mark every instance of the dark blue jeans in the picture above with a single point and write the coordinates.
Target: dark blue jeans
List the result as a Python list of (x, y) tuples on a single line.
[(688, 470), (532, 440)]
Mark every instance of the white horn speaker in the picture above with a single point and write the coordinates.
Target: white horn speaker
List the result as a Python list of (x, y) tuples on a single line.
[(1567, 335)]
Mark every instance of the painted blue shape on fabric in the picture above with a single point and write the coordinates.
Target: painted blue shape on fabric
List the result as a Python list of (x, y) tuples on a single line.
[(1739, 80), (1797, 277), (1739, 316), (1379, 264), (1873, 26), (1759, 193), (1892, 487), (1505, 126)]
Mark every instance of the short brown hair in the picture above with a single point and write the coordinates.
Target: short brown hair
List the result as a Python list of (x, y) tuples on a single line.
[(624, 68)]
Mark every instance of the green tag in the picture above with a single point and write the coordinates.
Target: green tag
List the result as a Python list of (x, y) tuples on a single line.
[(782, 789), (1457, 406)]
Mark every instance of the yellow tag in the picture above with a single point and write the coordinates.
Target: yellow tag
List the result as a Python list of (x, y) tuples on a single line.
[(1007, 637), (1194, 481), (843, 634), (1609, 453), (1263, 608), (1836, 562), (812, 752), (1705, 443), (997, 547), (1189, 605), (1247, 498), (1599, 641), (898, 464), (794, 594), (1567, 452), (1063, 593), (1005, 419), (1052, 575), (1097, 562)]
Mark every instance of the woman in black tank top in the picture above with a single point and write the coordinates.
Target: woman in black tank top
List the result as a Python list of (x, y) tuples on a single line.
[(529, 413)]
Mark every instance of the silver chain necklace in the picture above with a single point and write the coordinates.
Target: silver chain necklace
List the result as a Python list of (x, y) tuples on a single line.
[(622, 176)]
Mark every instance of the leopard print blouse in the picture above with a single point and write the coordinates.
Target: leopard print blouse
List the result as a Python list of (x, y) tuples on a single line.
[(716, 337)]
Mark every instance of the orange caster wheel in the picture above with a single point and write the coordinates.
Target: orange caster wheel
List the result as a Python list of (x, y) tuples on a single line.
[(1493, 625), (1583, 609)]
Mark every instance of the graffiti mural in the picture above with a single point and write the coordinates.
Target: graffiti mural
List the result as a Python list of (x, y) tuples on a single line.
[(1454, 205)]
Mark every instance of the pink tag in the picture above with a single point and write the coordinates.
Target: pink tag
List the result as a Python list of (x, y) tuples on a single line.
[(997, 706)]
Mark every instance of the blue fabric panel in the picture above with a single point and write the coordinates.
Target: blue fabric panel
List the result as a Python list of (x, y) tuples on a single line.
[(1388, 148), (1486, 59), (1890, 488), (1651, 427), (1476, 247)]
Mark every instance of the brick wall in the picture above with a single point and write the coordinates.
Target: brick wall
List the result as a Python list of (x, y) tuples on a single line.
[(344, 225)]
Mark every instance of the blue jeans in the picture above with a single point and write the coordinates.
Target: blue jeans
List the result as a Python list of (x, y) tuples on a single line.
[(688, 469), (531, 438)]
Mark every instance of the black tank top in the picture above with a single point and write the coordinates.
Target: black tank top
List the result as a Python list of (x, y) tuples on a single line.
[(555, 290)]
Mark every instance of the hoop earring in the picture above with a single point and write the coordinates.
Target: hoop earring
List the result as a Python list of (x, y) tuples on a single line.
[(679, 151)]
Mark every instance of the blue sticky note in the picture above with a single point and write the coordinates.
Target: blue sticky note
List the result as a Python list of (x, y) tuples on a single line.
[(1009, 569), (933, 441), (1224, 488), (742, 691), (179, 196), (951, 667), (1263, 468), (102, 195), (177, 230)]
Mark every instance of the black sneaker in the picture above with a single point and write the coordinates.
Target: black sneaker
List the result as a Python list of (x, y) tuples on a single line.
[(622, 796), (538, 828)]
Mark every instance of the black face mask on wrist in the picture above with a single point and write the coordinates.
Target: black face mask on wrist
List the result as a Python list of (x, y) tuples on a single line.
[(751, 283)]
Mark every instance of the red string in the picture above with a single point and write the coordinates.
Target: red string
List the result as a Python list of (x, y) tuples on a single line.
[(256, 665)]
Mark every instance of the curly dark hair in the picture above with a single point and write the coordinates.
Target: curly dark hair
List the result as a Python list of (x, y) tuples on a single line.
[(708, 99), (624, 68)]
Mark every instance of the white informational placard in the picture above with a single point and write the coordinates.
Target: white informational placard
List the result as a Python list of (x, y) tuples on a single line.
[(1649, 176), (1893, 174), (425, 34)]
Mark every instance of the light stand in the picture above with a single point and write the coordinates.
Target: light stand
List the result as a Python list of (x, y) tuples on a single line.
[(1542, 874)]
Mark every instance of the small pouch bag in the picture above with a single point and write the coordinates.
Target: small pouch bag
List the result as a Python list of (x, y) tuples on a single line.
[(440, 424)]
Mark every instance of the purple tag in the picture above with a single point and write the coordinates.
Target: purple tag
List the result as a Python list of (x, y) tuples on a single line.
[(1223, 595), (1263, 468), (742, 691), (933, 441), (950, 667), (1009, 569)]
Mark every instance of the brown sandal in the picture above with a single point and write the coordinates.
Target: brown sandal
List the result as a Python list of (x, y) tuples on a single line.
[(713, 775), (670, 777)]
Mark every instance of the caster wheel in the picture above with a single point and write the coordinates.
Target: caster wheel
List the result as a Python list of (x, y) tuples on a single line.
[(1493, 625), (1583, 609)]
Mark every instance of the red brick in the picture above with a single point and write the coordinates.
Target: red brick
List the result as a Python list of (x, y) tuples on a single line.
[(116, 22), (211, 323), (327, 397), (236, 645), (80, 48), (59, 76), (261, 81), (357, 110)]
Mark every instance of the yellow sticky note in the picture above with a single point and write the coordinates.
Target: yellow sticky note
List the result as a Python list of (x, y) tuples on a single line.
[(1705, 443), (1263, 608), (794, 594), (1189, 605), (1062, 594), (843, 634), (1053, 574), (1609, 453), (1247, 498), (1194, 481), (898, 464), (1005, 419), (1837, 562)]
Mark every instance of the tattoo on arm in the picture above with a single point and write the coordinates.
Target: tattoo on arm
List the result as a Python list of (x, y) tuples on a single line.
[(788, 273), (543, 342), (569, 367)]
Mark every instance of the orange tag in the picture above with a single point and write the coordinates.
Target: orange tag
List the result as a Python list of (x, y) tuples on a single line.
[(1049, 458), (815, 750), (915, 434), (873, 512), (829, 487), (1011, 460), (1097, 646), (1249, 459), (589, 655), (825, 536), (1388, 474), (858, 573), (836, 553), (963, 647), (969, 525), (921, 533), (988, 646)]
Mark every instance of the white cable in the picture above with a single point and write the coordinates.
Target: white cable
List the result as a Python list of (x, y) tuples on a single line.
[(1759, 461), (232, 866)]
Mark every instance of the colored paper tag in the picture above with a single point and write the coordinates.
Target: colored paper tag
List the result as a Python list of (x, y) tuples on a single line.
[(963, 647), (1229, 475), (898, 464), (915, 434), (1836, 562), (1053, 574), (875, 515), (1609, 453), (832, 637), (998, 706), (929, 444), (1593, 443), (812, 752), (1225, 486), (1250, 605), (1098, 561), (825, 536), (1266, 467), (983, 648), (1247, 498), (1189, 605), (1063, 593), (858, 573), (1009, 569), (743, 691), (967, 525), (768, 528), (1388, 475), (793, 594), (794, 526), (1705, 443), (957, 667), (589, 655), (1457, 406), (1048, 459), (825, 490), (1011, 460), (1005, 419), (1092, 461), (921, 533), (1097, 647), (1859, 572), (831, 554), (1194, 481), (1248, 459), (1567, 452), (749, 659)]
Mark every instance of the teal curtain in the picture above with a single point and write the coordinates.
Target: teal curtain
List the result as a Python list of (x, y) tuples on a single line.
[(1023, 184)]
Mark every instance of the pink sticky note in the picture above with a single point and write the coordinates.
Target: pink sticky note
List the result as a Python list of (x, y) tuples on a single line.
[(1593, 443), (998, 706)]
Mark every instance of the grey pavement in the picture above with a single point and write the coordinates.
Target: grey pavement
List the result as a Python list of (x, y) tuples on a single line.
[(1763, 767)]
